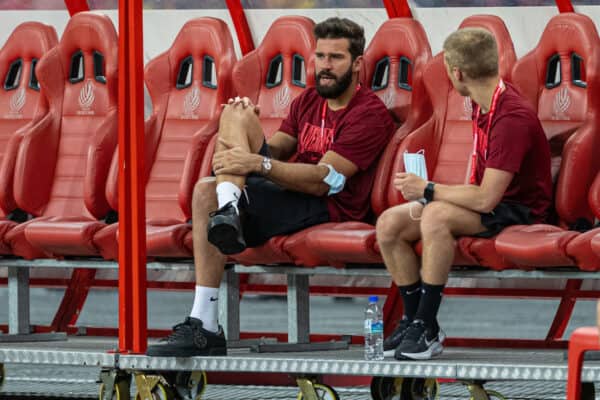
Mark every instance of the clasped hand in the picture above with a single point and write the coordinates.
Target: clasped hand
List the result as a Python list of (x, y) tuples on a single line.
[(245, 102), (411, 186), (234, 160)]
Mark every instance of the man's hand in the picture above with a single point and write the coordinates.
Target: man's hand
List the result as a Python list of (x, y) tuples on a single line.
[(244, 102), (235, 161), (411, 186)]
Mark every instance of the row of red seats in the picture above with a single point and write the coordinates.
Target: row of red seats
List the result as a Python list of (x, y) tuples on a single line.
[(61, 170)]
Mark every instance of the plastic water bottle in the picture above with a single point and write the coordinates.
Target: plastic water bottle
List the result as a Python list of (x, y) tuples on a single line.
[(373, 330)]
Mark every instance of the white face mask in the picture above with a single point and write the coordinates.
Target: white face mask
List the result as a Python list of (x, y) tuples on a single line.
[(414, 163)]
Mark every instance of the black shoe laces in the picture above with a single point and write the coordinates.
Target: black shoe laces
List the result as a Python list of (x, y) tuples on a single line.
[(415, 331), (180, 331)]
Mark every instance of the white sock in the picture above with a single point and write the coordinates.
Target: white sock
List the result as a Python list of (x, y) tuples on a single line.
[(228, 192), (206, 308)]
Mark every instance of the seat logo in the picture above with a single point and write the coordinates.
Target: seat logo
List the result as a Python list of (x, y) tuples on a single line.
[(562, 102), (388, 97), (191, 102), (86, 98), (17, 102), (281, 101), (468, 108)]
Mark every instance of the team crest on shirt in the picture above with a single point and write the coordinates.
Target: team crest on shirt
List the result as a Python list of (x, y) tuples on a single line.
[(191, 102), (86, 98), (16, 104), (562, 102), (467, 108), (281, 101)]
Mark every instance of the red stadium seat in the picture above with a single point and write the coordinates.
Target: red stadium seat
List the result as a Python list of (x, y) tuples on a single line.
[(561, 77), (64, 159), (446, 139), (187, 83), (272, 75), (21, 102), (584, 248)]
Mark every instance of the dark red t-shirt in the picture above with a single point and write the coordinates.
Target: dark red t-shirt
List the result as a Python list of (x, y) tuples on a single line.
[(358, 133), (517, 144)]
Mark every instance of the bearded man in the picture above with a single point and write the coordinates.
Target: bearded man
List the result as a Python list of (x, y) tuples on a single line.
[(337, 130)]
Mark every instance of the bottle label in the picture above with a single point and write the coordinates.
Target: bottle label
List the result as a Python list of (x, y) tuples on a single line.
[(373, 326), (377, 327)]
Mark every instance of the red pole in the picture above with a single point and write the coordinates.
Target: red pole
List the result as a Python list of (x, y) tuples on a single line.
[(132, 214), (241, 25), (564, 6), (398, 8), (75, 6)]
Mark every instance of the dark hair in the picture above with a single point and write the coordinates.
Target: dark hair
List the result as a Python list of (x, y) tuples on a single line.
[(343, 28)]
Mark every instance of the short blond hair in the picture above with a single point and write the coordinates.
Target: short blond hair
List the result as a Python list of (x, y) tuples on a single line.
[(473, 51)]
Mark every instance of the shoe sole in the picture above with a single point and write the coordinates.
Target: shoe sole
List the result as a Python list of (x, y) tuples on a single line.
[(225, 238), (434, 350), (213, 351)]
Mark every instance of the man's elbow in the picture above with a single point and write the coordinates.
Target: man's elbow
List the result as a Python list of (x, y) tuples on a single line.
[(320, 189)]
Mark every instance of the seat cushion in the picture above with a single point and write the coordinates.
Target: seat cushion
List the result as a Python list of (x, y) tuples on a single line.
[(270, 252), (106, 242), (19, 245), (168, 240), (5, 226), (335, 244), (536, 245), (61, 236), (580, 249)]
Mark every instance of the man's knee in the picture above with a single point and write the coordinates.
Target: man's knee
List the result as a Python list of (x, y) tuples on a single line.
[(390, 226), (436, 219), (204, 197)]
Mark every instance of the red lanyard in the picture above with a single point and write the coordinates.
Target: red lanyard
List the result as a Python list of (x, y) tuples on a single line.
[(480, 137), (324, 114)]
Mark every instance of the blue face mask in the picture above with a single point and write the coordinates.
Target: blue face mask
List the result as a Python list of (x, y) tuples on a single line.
[(335, 180), (414, 163)]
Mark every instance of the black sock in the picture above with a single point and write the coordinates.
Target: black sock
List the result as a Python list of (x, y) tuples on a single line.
[(431, 298), (411, 295)]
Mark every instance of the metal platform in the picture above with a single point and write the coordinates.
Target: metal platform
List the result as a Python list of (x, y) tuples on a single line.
[(455, 363)]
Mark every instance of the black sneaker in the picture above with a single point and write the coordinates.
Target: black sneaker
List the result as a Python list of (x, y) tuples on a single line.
[(420, 342), (225, 230), (391, 342), (190, 339)]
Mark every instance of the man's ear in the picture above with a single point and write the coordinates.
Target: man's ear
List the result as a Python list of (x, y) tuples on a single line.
[(357, 64), (457, 73)]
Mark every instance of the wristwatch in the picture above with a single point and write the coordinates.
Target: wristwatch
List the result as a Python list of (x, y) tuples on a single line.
[(266, 166), (428, 194)]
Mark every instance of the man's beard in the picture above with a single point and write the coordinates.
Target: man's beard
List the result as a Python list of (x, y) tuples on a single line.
[(338, 88)]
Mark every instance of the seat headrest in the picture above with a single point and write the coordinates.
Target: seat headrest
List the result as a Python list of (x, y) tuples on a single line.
[(29, 40), (506, 48), (568, 33), (199, 37), (90, 32), (398, 47), (280, 67)]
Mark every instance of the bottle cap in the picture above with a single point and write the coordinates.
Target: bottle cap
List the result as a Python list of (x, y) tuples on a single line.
[(373, 299)]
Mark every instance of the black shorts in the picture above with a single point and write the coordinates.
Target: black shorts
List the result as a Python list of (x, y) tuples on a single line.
[(269, 210), (505, 214)]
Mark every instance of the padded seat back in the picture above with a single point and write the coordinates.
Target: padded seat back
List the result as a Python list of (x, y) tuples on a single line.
[(21, 100), (394, 62), (278, 70), (65, 158), (187, 84), (561, 78), (447, 136)]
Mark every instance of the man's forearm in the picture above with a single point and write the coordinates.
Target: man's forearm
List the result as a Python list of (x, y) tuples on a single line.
[(305, 178), (466, 196)]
